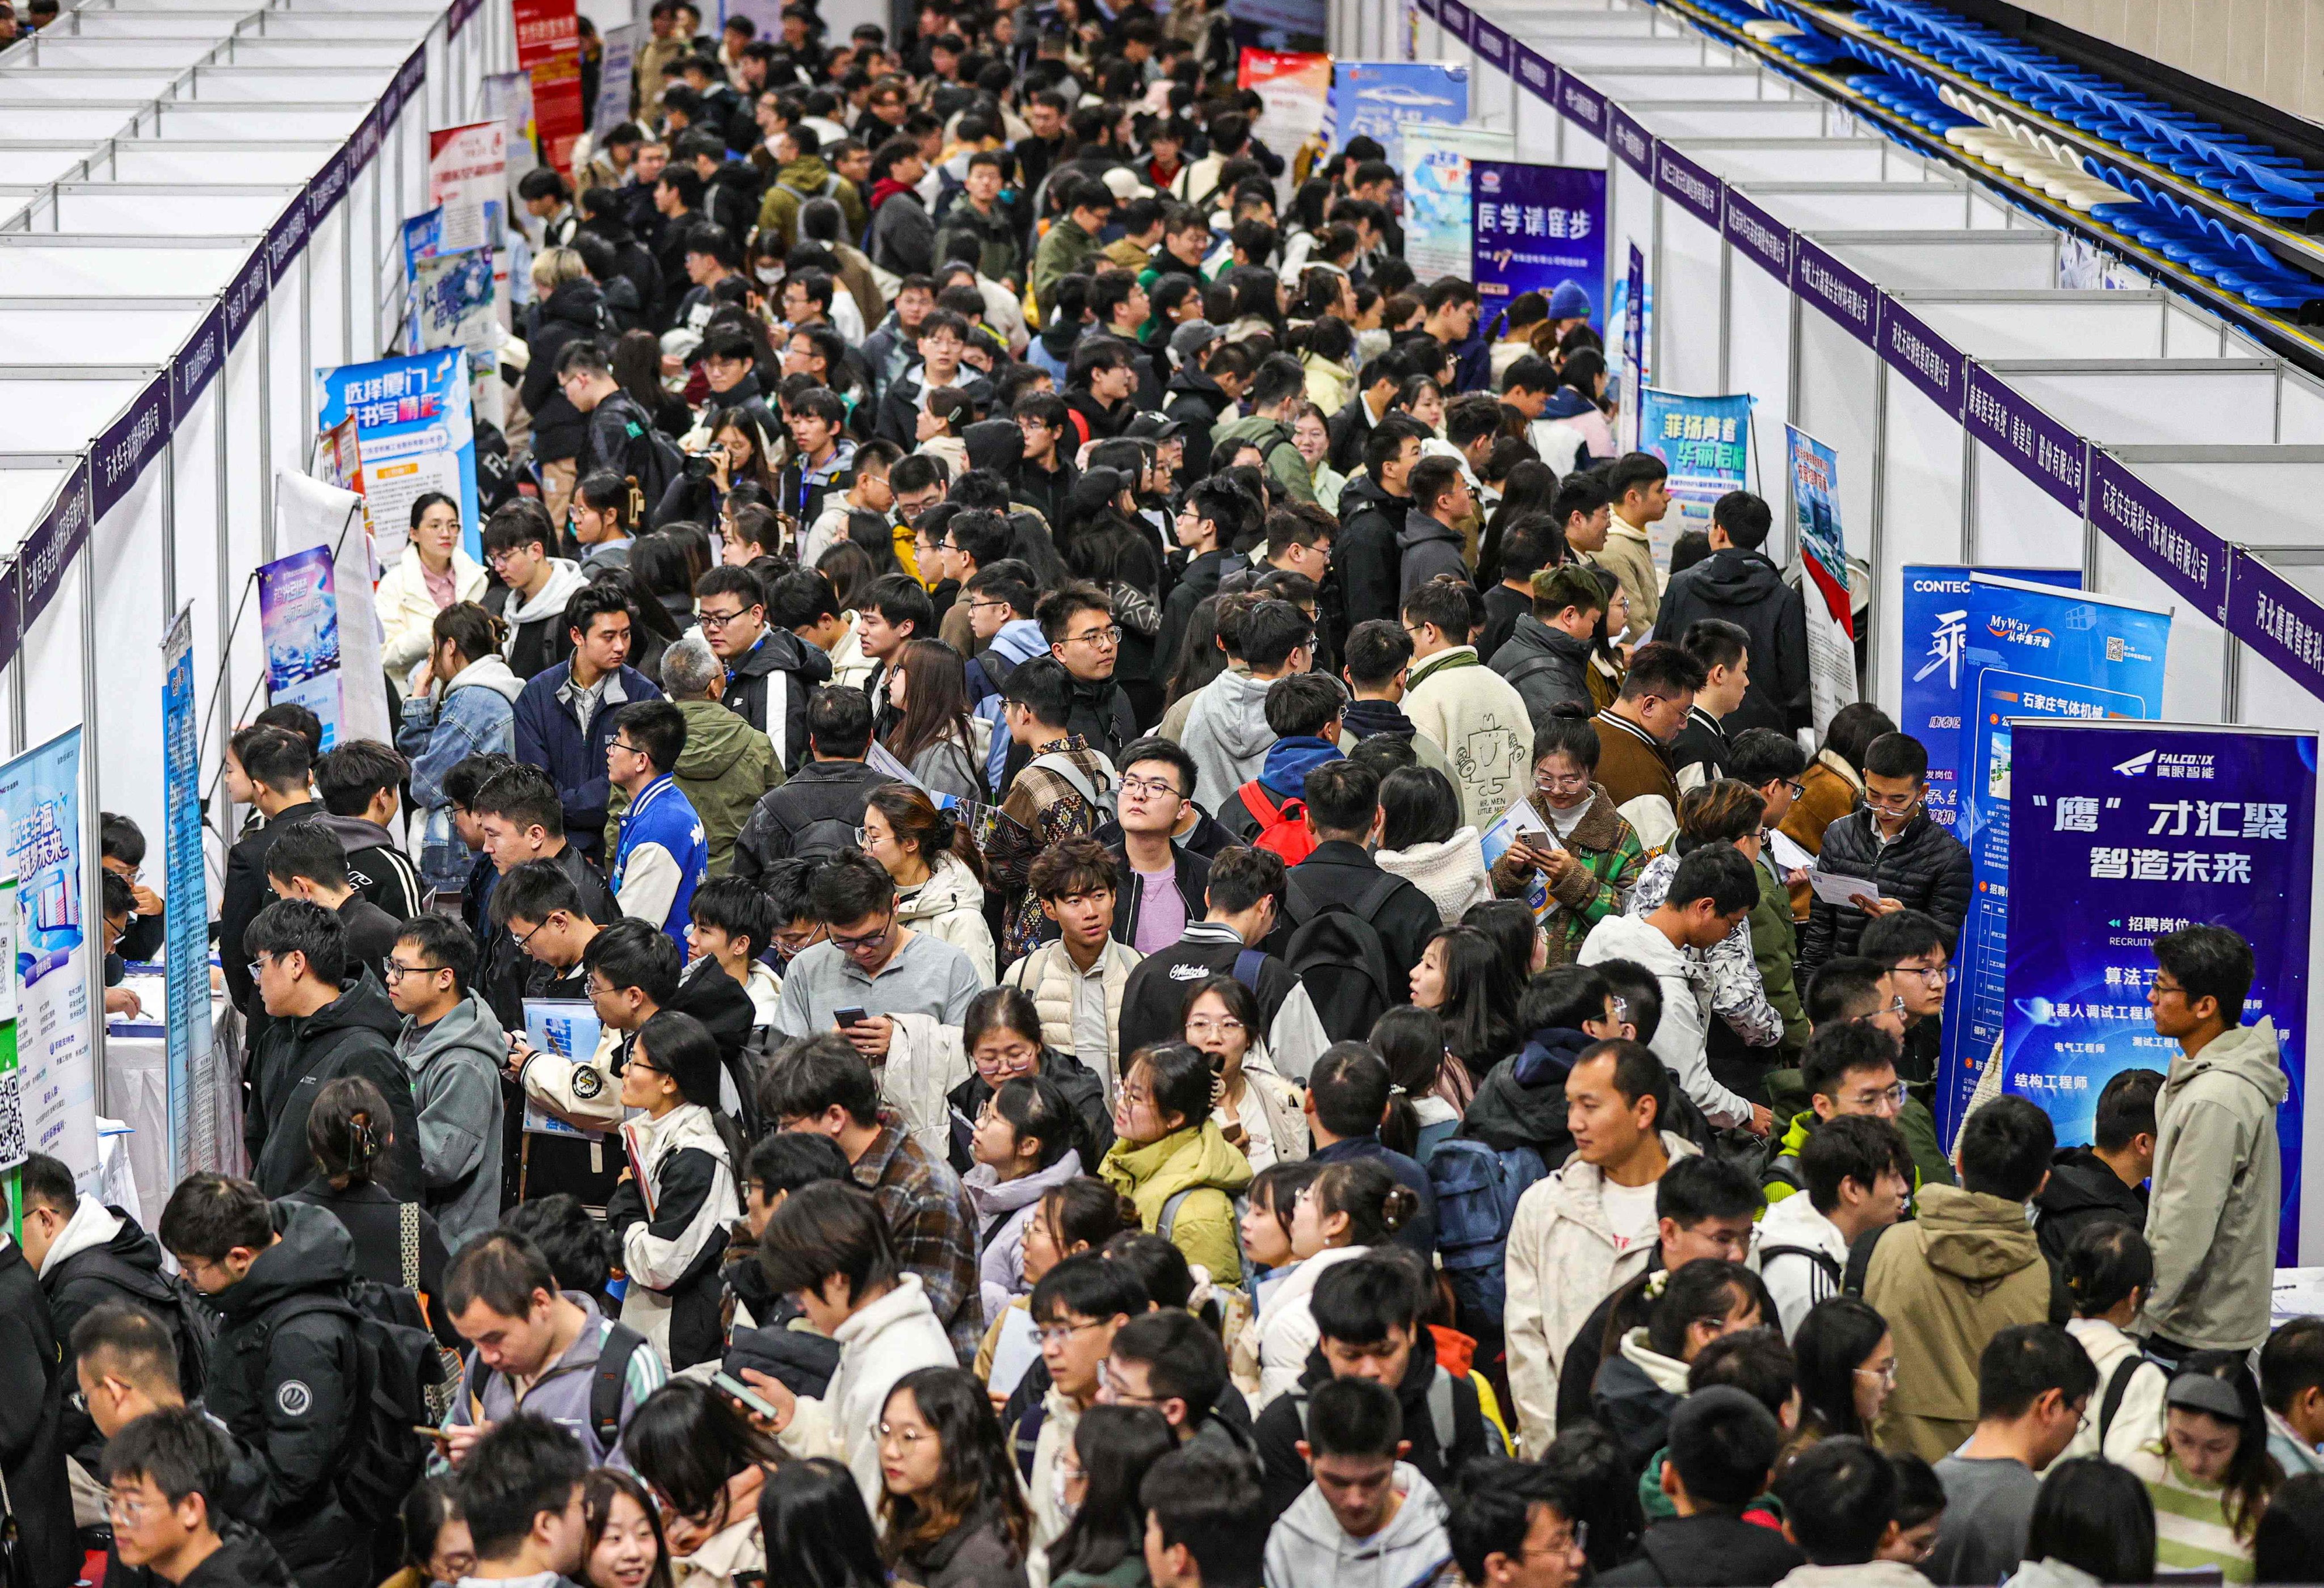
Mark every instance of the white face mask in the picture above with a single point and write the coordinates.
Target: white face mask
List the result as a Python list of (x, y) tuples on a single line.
[(771, 274)]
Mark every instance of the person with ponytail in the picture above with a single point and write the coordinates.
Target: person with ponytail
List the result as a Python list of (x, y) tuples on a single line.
[(606, 509), (671, 1210), (1076, 1217), (1028, 1141), (349, 1132), (462, 703), (1350, 1207), (938, 873)]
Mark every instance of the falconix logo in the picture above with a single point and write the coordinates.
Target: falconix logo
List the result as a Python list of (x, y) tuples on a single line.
[(2137, 766)]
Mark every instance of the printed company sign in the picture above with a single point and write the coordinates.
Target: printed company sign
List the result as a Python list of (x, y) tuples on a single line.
[(1842, 294), (128, 445), (1537, 74), (1696, 189), (2041, 448), (1492, 45), (2175, 548), (1581, 103), (1631, 142), (1921, 357), (1763, 238)]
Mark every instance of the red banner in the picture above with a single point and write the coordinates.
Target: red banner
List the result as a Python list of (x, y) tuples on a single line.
[(548, 48)]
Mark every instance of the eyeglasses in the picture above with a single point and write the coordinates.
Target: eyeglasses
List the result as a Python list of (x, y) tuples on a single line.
[(719, 619), (907, 1438), (1799, 791), (1892, 802), (395, 970), (1058, 1334), (1936, 976), (1104, 639), (1886, 1375), (127, 1510), (869, 940), (1203, 1025), (1552, 783), (1894, 1097), (1155, 787), (529, 937), (986, 605), (1895, 1007), (1572, 1538), (625, 747), (257, 967)]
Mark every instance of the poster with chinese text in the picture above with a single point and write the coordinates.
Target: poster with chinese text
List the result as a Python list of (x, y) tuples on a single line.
[(1706, 443), (1537, 228), (56, 1077)]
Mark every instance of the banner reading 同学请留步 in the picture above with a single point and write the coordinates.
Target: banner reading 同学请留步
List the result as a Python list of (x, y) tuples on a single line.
[(2032, 650), (195, 1127), (1823, 556), (298, 614), (1377, 98), (48, 1103), (2148, 829), (415, 423), (1438, 162), (1705, 442), (1537, 228)]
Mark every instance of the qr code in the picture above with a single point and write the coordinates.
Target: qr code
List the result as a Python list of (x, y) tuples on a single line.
[(13, 1149), (2115, 648)]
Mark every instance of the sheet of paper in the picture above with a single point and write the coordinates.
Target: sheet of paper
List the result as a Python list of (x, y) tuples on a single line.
[(1788, 855), (1836, 888)]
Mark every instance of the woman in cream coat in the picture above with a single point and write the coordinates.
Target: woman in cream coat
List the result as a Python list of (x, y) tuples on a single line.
[(433, 573)]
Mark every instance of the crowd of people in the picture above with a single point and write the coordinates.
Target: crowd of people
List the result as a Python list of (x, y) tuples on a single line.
[(1074, 901)]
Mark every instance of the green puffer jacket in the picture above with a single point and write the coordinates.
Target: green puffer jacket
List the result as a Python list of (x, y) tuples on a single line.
[(1200, 1160), (726, 767)]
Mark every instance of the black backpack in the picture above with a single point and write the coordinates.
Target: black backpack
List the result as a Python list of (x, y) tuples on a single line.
[(650, 460), (398, 1370), (613, 1370), (1338, 955)]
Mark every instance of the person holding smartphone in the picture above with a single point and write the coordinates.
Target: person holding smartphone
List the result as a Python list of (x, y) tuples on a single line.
[(1590, 857)]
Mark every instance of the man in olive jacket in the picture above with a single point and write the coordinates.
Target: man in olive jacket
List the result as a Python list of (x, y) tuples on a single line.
[(727, 765)]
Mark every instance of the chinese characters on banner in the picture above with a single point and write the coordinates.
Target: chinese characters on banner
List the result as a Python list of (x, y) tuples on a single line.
[(416, 431), (619, 59), (1705, 442), (1823, 569), (198, 1130), (1630, 378), (1936, 643), (1376, 99), (48, 1103), (2148, 830), (2030, 651), (548, 49), (299, 615), (1537, 228), (1441, 161)]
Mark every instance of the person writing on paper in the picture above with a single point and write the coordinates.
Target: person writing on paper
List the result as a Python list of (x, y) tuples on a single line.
[(1575, 840), (1908, 862)]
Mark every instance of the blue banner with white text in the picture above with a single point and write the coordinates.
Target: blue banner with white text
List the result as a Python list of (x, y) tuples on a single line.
[(1537, 228), (1375, 99), (2148, 830), (1706, 443), (2030, 651)]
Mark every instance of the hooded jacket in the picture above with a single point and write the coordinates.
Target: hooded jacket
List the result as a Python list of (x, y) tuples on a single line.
[(1279, 1428), (819, 792), (1424, 549), (454, 1067), (1744, 587), (2218, 1192), (755, 692), (1474, 713), (796, 182), (538, 638), (1924, 865), (379, 870), (2081, 1191), (1449, 871), (550, 735), (950, 905), (671, 1218), (726, 768), (474, 713), (1063, 249), (999, 253), (1308, 1549), (1272, 436), (1967, 1266), (35, 1382), (101, 1255), (1196, 402), (1288, 1337), (1789, 1232), (561, 1393), (1637, 1390), (907, 394), (1547, 666), (1227, 734), (1003, 1209), (895, 1334), (575, 312), (902, 239), (1562, 1260), (1521, 1101), (1197, 1160), (1724, 1550), (283, 1377), (291, 1062)]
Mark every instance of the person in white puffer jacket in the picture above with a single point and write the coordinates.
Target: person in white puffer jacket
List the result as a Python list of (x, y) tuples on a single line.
[(2108, 1268), (1423, 840)]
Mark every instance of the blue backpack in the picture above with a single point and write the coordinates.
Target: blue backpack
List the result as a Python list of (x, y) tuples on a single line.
[(1477, 1190)]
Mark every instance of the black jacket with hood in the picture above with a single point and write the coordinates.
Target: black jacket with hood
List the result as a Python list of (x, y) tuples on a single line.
[(1195, 400), (35, 1382), (379, 870), (1521, 1101), (806, 668), (1545, 666), (243, 1560), (127, 1268), (1424, 549), (819, 792), (243, 895), (283, 1376), (294, 1059), (2082, 1191), (1744, 588), (1725, 1549), (1283, 1425), (1367, 555), (575, 312)]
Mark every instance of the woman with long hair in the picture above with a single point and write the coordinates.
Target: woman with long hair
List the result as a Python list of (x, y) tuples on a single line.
[(927, 684), (1421, 397), (1097, 1475), (1329, 361), (953, 1514), (1589, 869), (2211, 1477), (1845, 1361), (462, 703), (1643, 1375), (1350, 1207), (1027, 1141), (1529, 491), (434, 573), (2092, 1524), (620, 1537), (1199, 657), (1463, 979), (705, 1463), (660, 563), (636, 370), (740, 449), (1510, 924), (1311, 438), (1411, 1040), (938, 873), (1258, 1110), (1423, 840), (350, 1136), (1579, 404), (816, 1531)]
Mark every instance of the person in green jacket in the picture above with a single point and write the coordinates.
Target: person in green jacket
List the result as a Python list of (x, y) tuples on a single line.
[(1850, 1068), (727, 764), (800, 175), (1772, 763), (1070, 242), (1277, 390), (1170, 1157)]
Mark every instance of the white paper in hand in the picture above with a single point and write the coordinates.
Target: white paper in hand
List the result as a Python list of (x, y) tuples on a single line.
[(1835, 887), (1788, 855)]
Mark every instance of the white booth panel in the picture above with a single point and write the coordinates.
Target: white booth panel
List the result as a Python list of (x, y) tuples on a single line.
[(1738, 118), (25, 492), (1758, 343), (1580, 55), (1911, 206), (34, 85), (117, 54), (267, 84), (2135, 403), (1804, 160), (155, 161), (212, 25), (2051, 324), (2258, 496), (361, 28), (1900, 261), (118, 330), (2300, 410), (48, 123), (52, 653), (130, 543), (259, 124), (1633, 88), (41, 163), (61, 414), (1580, 22), (119, 211), (334, 53), (1687, 300), (2189, 332), (2194, 667), (38, 269), (2014, 520)]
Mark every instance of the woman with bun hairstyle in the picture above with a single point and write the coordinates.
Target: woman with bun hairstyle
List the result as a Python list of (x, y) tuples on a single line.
[(1170, 1157), (1595, 860), (462, 703), (349, 1133), (1080, 1216), (939, 875), (1349, 1208), (434, 572)]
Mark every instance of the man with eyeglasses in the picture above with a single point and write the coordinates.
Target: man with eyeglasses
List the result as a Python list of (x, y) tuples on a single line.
[(1078, 622), (1913, 949), (451, 1044), (771, 672), (534, 586), (1077, 1309), (1860, 1026), (1907, 861), (1516, 1524), (1165, 881), (870, 963)]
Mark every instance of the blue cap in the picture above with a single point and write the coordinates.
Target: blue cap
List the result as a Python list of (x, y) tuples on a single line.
[(1569, 301)]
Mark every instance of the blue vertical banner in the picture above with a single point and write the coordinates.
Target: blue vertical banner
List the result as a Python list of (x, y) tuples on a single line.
[(1375, 99), (54, 1106), (1823, 553), (417, 430), (1535, 229), (1631, 378), (2030, 651), (2148, 830), (193, 1125), (1706, 443)]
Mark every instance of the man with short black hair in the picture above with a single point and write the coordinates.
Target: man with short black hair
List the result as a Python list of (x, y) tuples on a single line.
[(1085, 635), (565, 717), (1739, 584), (1635, 734), (533, 586), (1162, 881), (1347, 1095), (1858, 1177), (1528, 545), (359, 783), (1907, 861), (308, 862), (1169, 1359), (2034, 1386), (1343, 816), (1551, 646), (1227, 732), (870, 962), (451, 1044), (771, 671), (1205, 1520), (661, 856), (1722, 1452), (1638, 485), (1429, 543), (815, 814), (520, 818), (1699, 751), (521, 1496), (1365, 1501), (2108, 1178), (167, 1477), (1276, 388), (275, 763), (1516, 1524), (1060, 793)]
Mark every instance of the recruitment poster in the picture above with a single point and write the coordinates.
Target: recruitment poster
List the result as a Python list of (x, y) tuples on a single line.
[(298, 614), (618, 59), (1376, 99), (1822, 561), (1537, 228), (2149, 830), (1294, 90), (1439, 159), (194, 1128), (1705, 442), (53, 1108), (548, 50), (2032, 651), (1629, 307), (414, 423)]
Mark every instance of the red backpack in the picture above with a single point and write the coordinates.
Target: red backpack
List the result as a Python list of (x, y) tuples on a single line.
[(1279, 829)]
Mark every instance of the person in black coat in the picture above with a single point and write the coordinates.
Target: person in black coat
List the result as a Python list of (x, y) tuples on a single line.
[(1908, 861), (754, 652), (2105, 1180), (575, 308), (34, 1380), (275, 765), (1739, 583), (283, 1370), (307, 862), (814, 813), (323, 1028), (1342, 801), (1372, 514), (158, 1452), (348, 1138), (1722, 1454)]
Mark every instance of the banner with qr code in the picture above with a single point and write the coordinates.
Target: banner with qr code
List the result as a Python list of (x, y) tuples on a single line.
[(2030, 651), (40, 811), (2148, 829)]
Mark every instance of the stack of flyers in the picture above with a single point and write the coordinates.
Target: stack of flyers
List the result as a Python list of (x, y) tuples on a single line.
[(1521, 820)]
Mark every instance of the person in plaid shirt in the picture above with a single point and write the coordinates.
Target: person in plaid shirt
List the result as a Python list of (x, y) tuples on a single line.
[(822, 1084), (1060, 794)]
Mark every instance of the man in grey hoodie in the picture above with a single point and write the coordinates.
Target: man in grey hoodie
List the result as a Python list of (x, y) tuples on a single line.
[(1367, 1516), (452, 1047), (1226, 732), (2218, 1183)]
